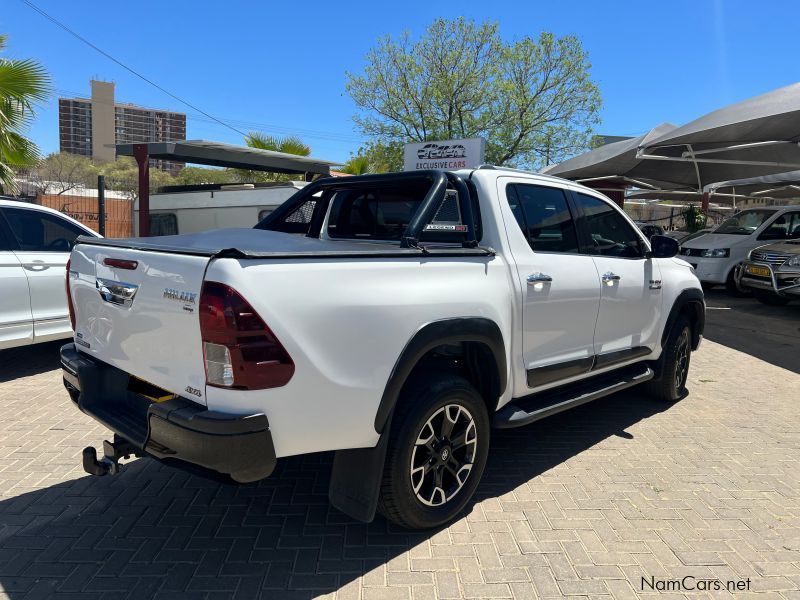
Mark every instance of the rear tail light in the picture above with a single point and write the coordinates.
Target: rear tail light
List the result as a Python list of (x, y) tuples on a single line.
[(240, 351), (70, 306)]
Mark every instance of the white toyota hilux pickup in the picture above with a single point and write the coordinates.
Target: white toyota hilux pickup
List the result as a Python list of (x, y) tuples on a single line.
[(394, 319)]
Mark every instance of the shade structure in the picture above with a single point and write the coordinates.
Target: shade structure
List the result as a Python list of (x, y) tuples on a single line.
[(752, 138), (616, 160), (778, 185), (218, 154)]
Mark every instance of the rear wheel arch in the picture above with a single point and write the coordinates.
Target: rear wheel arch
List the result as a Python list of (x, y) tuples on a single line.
[(476, 343)]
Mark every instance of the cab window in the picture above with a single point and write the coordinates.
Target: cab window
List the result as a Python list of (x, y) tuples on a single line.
[(39, 231), (543, 215), (610, 233), (745, 223)]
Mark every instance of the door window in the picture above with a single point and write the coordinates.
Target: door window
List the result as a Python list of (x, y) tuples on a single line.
[(610, 232), (784, 227), (38, 231), (543, 215)]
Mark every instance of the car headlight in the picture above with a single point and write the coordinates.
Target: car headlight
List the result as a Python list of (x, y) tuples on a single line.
[(793, 262), (716, 253)]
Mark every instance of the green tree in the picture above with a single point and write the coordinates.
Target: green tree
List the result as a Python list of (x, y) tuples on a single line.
[(23, 83), (199, 175), (62, 172), (357, 165), (287, 145), (383, 155), (532, 99), (122, 175)]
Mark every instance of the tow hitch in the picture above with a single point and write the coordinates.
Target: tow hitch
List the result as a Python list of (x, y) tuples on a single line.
[(113, 451)]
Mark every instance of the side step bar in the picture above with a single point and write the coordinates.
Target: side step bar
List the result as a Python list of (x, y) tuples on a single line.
[(544, 404)]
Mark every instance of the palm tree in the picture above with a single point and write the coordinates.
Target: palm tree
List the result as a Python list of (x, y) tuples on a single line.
[(357, 165), (22, 84), (288, 145)]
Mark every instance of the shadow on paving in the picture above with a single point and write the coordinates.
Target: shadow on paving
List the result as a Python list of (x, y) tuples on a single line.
[(157, 532), (769, 333), (30, 360)]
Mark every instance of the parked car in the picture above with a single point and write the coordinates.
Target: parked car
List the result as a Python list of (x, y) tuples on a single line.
[(650, 229), (685, 236), (399, 322), (35, 243), (716, 255), (773, 271)]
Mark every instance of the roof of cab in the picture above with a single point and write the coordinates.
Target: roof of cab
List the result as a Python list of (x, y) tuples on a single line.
[(493, 172)]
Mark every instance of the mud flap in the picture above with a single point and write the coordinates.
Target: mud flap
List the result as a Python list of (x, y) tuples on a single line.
[(356, 479)]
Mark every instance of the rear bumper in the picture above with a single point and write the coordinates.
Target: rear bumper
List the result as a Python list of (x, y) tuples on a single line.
[(178, 432)]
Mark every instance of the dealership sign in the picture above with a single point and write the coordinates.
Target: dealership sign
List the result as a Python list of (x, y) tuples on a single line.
[(448, 154)]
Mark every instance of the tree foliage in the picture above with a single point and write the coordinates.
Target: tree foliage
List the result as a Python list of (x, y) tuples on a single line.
[(532, 99), (122, 175), (357, 165), (199, 175), (62, 172), (23, 83), (287, 145)]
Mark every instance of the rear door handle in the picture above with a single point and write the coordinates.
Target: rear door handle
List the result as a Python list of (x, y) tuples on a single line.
[(36, 265), (609, 277), (539, 278)]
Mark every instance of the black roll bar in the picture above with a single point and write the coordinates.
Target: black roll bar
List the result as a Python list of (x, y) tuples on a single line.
[(423, 215)]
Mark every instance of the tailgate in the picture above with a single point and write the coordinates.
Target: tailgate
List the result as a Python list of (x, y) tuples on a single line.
[(141, 316)]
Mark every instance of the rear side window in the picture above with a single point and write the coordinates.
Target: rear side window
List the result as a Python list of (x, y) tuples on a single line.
[(163, 224), (611, 234), (38, 231), (544, 217)]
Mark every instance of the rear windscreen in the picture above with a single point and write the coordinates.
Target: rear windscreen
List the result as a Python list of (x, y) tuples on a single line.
[(384, 214)]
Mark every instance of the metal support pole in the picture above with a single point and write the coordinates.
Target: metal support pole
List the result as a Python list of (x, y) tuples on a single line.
[(140, 154), (671, 217), (101, 204)]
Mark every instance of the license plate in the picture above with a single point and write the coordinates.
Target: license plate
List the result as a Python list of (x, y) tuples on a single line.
[(757, 270)]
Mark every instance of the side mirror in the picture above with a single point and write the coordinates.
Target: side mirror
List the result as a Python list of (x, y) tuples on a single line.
[(663, 247)]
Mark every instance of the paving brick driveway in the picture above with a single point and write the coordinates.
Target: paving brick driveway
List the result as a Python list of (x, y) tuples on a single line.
[(584, 504)]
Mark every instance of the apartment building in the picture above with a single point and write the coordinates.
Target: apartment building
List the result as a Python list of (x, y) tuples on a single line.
[(92, 126)]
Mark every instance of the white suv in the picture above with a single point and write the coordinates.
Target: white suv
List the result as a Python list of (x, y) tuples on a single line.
[(715, 255), (35, 243)]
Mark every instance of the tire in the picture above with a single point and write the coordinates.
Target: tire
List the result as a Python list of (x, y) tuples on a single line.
[(732, 288), (419, 488), (671, 386), (770, 298)]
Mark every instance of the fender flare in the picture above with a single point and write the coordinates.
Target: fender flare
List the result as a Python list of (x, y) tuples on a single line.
[(357, 473), (428, 337), (694, 299)]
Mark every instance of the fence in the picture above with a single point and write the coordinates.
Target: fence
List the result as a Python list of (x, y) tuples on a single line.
[(83, 204)]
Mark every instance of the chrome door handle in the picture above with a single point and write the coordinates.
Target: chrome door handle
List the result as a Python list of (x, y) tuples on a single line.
[(539, 278), (609, 276)]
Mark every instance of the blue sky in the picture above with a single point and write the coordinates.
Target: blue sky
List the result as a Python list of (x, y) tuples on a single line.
[(279, 66)]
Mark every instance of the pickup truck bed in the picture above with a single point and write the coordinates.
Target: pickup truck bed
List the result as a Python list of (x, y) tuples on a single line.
[(255, 243)]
